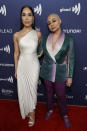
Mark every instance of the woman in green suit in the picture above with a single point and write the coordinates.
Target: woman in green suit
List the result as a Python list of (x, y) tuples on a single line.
[(58, 65)]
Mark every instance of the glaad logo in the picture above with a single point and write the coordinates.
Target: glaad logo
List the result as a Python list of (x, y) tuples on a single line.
[(74, 31), (85, 68), (4, 31), (37, 28), (76, 9), (38, 9), (69, 97), (3, 10), (7, 92), (40, 94), (6, 49), (85, 97), (6, 65), (85, 84), (10, 79)]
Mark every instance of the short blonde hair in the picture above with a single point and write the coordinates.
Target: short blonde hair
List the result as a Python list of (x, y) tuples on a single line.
[(54, 15)]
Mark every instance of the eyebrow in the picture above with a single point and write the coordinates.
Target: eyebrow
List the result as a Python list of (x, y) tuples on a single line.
[(51, 19), (26, 13)]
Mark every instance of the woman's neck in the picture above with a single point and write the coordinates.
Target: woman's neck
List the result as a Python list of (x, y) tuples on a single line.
[(27, 28), (58, 32)]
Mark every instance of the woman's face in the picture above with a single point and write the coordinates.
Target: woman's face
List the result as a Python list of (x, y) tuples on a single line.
[(27, 17), (53, 22)]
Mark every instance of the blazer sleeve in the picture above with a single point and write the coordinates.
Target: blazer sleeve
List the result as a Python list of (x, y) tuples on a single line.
[(71, 57)]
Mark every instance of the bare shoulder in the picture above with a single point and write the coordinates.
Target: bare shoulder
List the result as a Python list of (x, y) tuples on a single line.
[(15, 36)]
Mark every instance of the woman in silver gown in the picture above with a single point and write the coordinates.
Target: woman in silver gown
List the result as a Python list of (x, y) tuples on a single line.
[(27, 64)]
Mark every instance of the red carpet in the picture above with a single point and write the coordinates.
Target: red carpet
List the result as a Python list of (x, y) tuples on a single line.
[(10, 119)]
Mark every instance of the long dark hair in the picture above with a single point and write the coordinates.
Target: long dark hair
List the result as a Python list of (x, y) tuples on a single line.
[(21, 24)]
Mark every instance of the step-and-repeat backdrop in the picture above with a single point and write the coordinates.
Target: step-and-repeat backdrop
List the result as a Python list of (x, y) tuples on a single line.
[(74, 21)]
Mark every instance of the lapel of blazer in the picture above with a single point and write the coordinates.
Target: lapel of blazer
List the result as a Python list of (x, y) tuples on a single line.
[(59, 52), (44, 46), (63, 46)]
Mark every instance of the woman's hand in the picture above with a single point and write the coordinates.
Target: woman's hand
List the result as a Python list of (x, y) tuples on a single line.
[(15, 74), (69, 82)]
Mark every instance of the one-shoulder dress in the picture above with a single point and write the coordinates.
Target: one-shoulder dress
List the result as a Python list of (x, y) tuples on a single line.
[(28, 73)]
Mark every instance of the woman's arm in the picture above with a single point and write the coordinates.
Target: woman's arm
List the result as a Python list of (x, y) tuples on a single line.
[(39, 36), (40, 49), (16, 52), (71, 62)]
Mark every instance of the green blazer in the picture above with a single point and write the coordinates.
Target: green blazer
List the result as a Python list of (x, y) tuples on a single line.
[(62, 70)]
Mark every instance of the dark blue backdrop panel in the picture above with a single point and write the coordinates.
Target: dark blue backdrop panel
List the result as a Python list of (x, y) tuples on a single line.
[(74, 21)]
